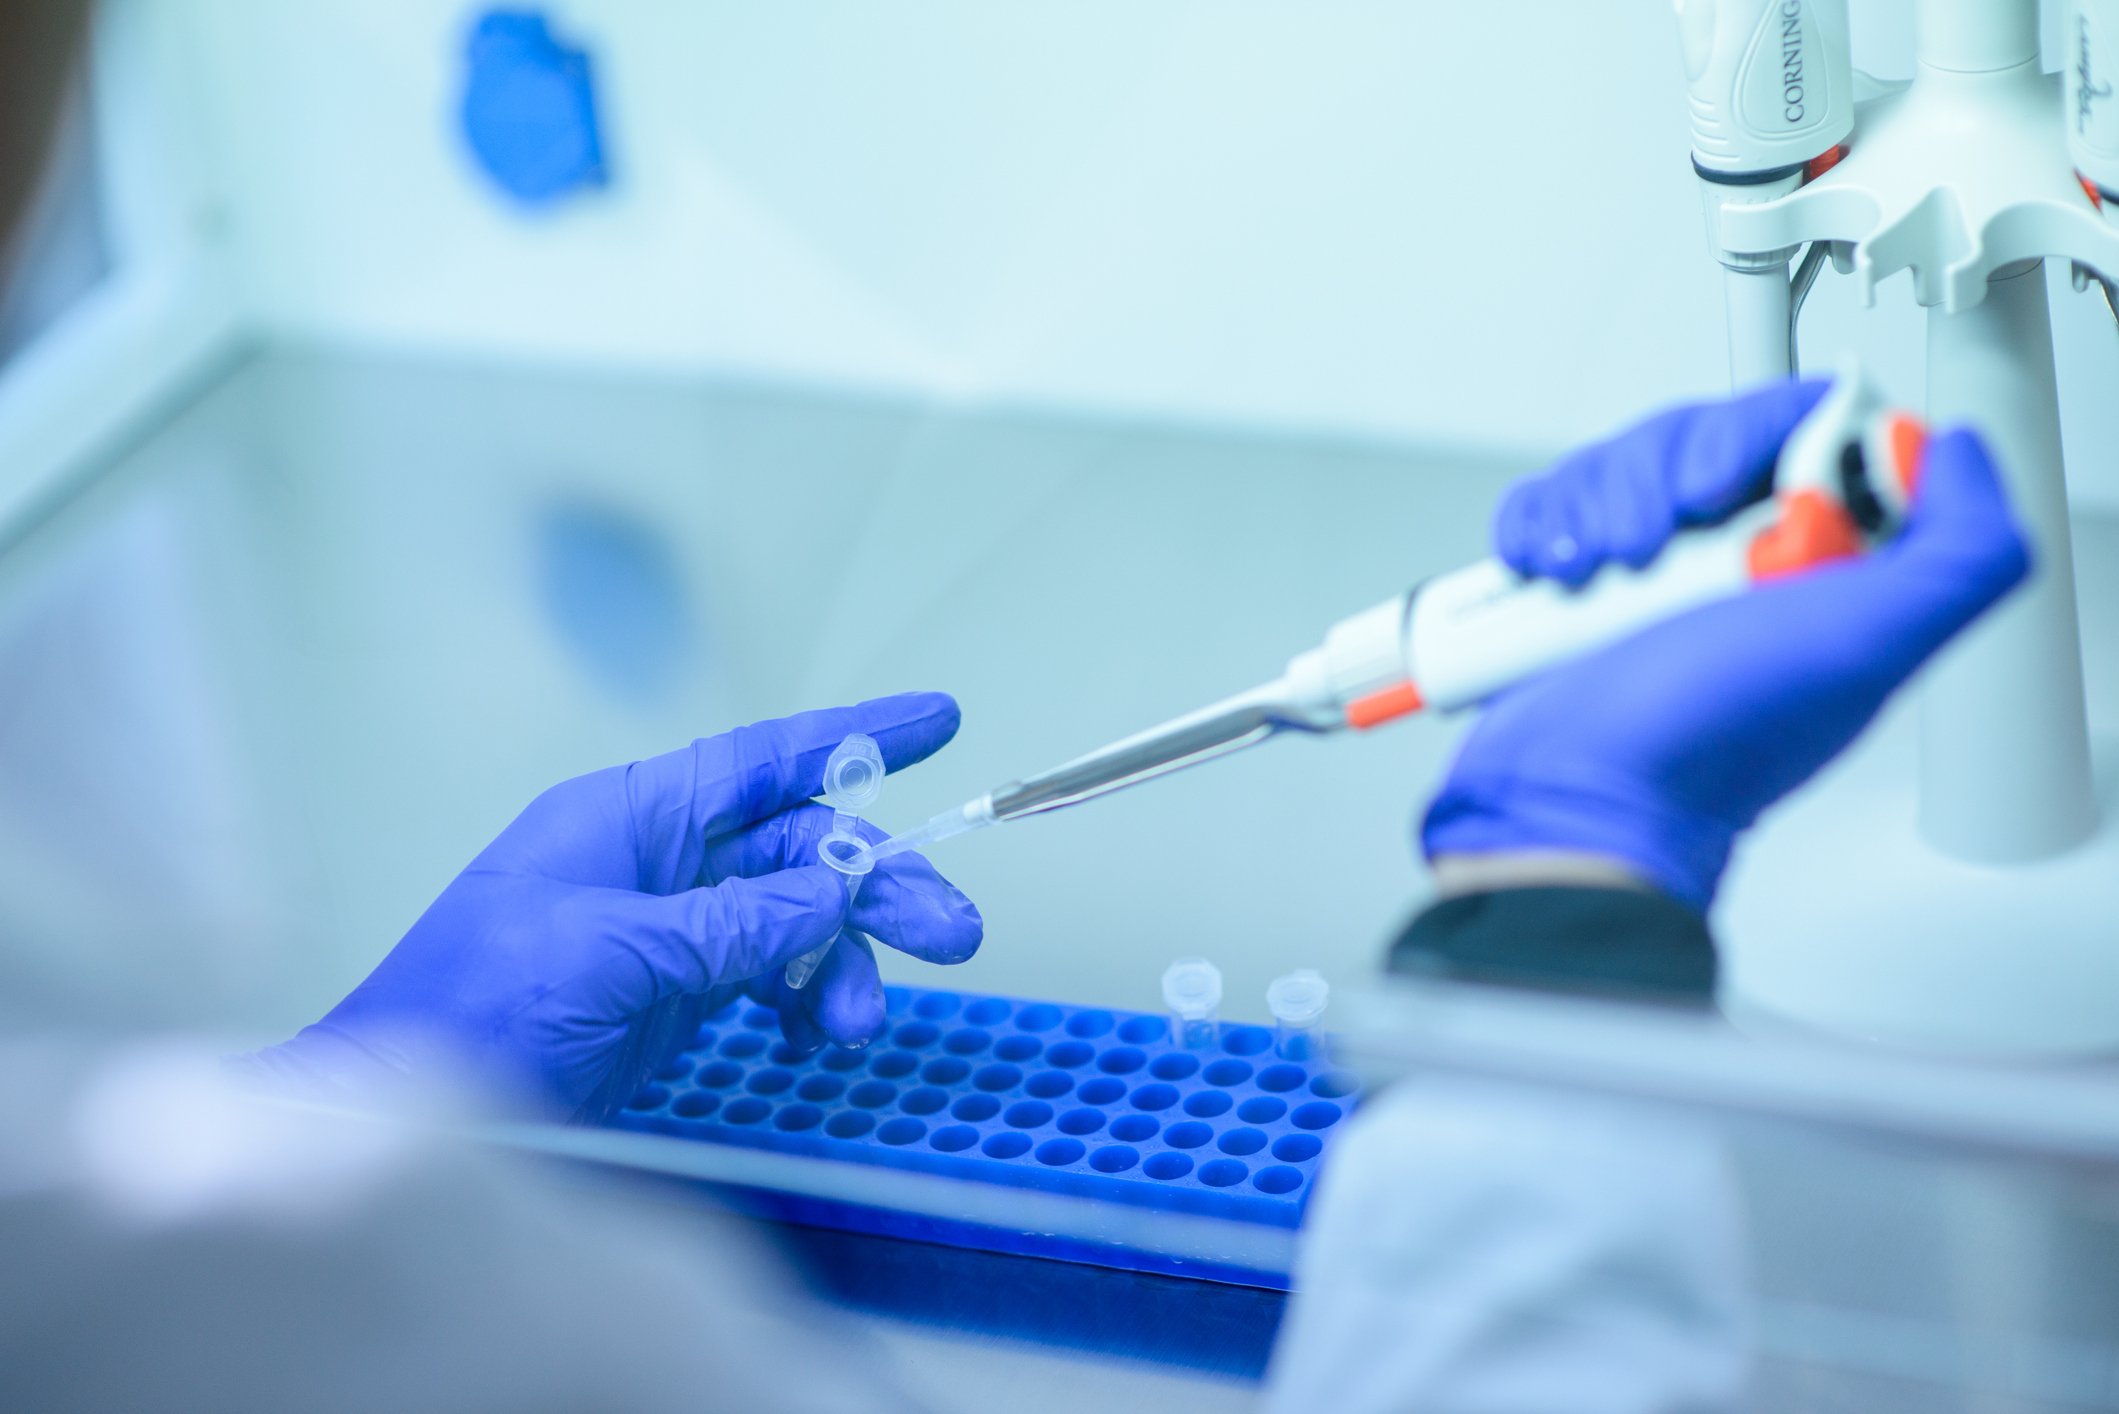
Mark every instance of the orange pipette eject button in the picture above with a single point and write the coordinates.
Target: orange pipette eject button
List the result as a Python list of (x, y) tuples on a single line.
[(1387, 705), (1813, 530)]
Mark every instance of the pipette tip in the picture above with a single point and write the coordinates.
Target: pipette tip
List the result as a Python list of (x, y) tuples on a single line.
[(972, 815)]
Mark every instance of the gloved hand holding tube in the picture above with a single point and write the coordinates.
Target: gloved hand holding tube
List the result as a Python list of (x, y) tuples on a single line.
[(622, 906)]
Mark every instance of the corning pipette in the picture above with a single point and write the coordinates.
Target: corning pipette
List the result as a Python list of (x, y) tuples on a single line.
[(1842, 483)]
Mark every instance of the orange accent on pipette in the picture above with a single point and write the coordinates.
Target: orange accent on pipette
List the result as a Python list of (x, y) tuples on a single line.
[(1824, 162), (1813, 530), (1907, 437), (1401, 700)]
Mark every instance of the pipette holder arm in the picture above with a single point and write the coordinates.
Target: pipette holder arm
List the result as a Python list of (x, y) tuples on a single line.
[(1963, 179), (1954, 178)]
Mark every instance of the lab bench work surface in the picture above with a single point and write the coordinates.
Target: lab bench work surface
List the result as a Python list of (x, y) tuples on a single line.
[(955, 1372)]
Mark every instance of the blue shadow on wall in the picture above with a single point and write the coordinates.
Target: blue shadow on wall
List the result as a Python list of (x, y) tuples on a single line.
[(614, 594)]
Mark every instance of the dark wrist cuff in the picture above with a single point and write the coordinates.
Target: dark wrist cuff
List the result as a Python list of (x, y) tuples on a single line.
[(1617, 942), (1681, 852)]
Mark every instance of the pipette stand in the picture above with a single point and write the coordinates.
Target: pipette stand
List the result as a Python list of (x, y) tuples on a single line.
[(1963, 179)]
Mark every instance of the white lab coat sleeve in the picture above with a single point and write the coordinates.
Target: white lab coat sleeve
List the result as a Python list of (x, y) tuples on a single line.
[(172, 1242), (1474, 1249)]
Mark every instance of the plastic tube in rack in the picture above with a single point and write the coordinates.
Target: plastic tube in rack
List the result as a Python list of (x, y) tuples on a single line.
[(1297, 1002), (1192, 992)]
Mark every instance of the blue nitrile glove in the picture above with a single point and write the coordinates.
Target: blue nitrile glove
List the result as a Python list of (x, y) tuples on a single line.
[(1656, 752), (586, 942)]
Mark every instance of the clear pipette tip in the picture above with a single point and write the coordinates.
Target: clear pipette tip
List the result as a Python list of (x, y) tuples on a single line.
[(972, 815)]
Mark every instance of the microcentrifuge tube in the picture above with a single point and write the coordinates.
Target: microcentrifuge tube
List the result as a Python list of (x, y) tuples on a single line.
[(1297, 1002), (1192, 992), (853, 778)]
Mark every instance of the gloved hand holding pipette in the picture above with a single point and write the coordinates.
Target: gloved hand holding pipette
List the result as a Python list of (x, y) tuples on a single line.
[(623, 905), (1707, 506), (1657, 752)]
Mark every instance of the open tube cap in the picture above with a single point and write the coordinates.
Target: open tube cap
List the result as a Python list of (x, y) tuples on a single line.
[(853, 777), (1298, 999), (849, 854), (1192, 987)]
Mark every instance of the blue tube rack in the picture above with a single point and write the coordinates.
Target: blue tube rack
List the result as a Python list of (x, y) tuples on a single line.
[(1081, 1100)]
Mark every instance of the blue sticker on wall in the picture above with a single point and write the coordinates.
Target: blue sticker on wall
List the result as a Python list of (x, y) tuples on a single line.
[(529, 109)]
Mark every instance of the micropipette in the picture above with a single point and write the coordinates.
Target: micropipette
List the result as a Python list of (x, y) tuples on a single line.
[(1842, 483)]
